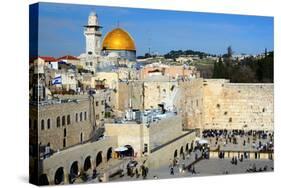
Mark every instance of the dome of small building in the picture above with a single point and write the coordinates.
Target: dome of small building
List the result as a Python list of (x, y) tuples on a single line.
[(118, 39)]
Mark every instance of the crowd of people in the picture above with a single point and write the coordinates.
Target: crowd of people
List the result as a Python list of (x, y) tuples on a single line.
[(258, 140), (134, 169)]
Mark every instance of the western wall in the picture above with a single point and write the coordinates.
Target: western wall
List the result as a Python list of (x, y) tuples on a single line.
[(244, 106)]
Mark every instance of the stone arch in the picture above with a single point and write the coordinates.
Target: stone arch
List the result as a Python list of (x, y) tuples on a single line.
[(186, 147), (87, 163), (130, 151), (59, 176), (191, 147), (109, 154), (73, 171), (99, 158), (175, 153), (181, 151), (43, 180)]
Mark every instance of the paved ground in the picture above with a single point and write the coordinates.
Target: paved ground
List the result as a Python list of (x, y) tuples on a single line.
[(205, 168)]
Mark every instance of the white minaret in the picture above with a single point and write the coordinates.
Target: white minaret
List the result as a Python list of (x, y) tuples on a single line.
[(92, 33)]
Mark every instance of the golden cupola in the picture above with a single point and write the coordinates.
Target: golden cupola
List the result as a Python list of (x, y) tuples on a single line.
[(118, 39)]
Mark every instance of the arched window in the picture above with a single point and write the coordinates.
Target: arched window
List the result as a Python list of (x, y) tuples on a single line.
[(63, 121), (58, 121), (81, 116), (76, 117), (42, 124), (48, 123), (68, 119)]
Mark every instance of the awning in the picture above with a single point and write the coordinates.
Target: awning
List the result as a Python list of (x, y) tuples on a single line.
[(122, 148), (203, 142)]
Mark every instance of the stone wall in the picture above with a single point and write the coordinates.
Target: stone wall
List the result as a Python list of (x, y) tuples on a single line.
[(237, 105), (166, 154), (191, 103), (145, 94)]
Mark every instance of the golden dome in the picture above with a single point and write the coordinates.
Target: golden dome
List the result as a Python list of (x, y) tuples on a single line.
[(118, 39)]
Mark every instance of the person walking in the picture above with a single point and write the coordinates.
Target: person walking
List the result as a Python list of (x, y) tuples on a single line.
[(172, 170)]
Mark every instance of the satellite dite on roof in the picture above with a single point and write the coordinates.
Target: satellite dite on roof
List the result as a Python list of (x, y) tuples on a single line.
[(165, 94)]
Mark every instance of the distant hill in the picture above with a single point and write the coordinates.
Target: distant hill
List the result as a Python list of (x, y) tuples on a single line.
[(175, 54)]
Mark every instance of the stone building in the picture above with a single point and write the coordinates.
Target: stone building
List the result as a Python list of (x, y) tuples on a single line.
[(172, 71), (116, 49), (62, 123), (152, 133)]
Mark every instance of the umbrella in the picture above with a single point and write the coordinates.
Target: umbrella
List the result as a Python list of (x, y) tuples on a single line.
[(122, 148)]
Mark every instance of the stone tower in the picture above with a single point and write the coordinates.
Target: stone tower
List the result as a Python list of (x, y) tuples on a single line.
[(93, 34)]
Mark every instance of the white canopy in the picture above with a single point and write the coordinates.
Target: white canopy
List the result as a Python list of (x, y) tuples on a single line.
[(203, 141), (121, 148)]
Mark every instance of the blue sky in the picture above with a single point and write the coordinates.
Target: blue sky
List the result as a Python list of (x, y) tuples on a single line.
[(61, 29)]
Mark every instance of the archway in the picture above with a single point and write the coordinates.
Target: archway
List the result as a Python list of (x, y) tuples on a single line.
[(99, 158), (87, 163), (74, 171), (109, 154), (191, 147), (181, 151), (43, 180), (59, 176), (186, 147), (175, 153), (130, 151)]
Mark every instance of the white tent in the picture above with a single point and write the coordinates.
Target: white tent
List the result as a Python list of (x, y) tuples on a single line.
[(203, 141), (121, 148)]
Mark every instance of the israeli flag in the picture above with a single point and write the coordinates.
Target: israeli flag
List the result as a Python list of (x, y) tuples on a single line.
[(57, 80)]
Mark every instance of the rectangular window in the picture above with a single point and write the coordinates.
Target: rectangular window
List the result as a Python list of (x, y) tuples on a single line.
[(81, 137), (58, 121), (97, 103), (68, 119), (81, 116), (49, 123), (76, 117), (64, 142), (85, 116), (64, 132), (42, 124)]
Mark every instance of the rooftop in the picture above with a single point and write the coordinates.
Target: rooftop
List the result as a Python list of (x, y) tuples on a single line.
[(145, 117)]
